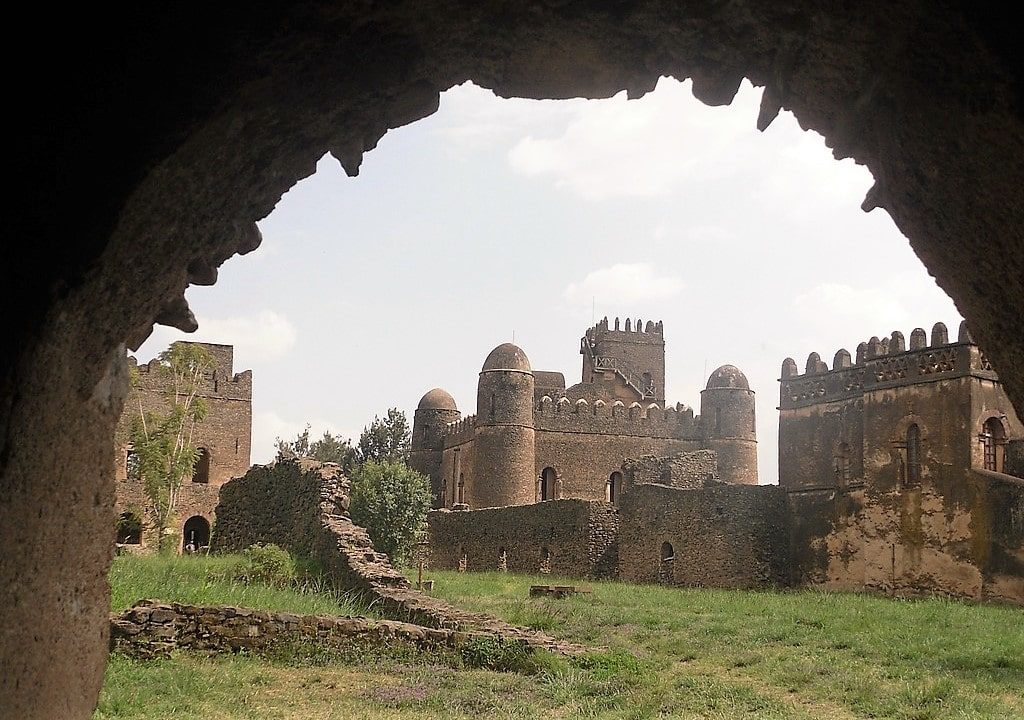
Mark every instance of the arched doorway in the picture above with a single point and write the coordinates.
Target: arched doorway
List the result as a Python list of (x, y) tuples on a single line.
[(129, 529), (547, 484), (993, 436), (195, 534), (666, 573)]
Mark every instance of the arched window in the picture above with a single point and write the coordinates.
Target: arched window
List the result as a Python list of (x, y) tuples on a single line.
[(666, 576), (913, 470), (201, 472), (614, 485), (843, 464), (547, 484), (195, 535), (129, 529), (993, 435)]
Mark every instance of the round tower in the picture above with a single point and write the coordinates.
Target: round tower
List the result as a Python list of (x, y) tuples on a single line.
[(436, 409), (727, 422), (503, 442)]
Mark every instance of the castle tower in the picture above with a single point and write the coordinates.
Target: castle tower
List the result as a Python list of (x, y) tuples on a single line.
[(630, 359), (503, 442), (436, 409), (727, 423)]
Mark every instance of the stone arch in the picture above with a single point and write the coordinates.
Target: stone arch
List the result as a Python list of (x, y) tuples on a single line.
[(339, 86), (195, 534), (129, 529), (613, 487), (993, 442)]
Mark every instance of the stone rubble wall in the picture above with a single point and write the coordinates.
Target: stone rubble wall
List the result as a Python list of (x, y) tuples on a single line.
[(302, 506), (151, 629), (688, 470)]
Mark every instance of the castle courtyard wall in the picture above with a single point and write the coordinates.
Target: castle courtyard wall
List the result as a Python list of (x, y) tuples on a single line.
[(574, 538)]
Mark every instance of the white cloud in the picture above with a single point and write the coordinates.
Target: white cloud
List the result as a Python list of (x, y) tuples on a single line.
[(267, 335), (268, 426), (623, 284)]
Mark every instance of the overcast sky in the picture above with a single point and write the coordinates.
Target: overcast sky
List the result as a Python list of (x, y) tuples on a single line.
[(498, 219)]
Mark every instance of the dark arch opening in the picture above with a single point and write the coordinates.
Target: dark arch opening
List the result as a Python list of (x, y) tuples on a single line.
[(547, 484), (195, 534), (201, 471), (666, 569), (993, 437), (129, 529), (613, 487)]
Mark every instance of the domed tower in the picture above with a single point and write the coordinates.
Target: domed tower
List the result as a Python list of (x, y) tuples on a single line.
[(503, 443), (727, 423), (436, 409)]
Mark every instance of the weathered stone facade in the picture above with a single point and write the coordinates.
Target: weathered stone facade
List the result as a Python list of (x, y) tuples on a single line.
[(896, 476), (534, 439), (224, 439)]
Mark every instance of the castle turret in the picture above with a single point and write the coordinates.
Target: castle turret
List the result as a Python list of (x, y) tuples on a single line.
[(436, 409), (503, 443), (628, 365), (727, 423)]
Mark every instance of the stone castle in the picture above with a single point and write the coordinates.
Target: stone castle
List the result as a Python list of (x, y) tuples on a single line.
[(900, 471), (534, 439), (224, 440)]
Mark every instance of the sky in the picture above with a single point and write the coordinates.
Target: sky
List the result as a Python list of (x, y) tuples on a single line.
[(498, 220)]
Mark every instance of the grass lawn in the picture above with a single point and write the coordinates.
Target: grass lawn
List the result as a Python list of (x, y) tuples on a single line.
[(667, 653)]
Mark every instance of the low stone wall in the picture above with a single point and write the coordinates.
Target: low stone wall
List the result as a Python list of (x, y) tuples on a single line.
[(728, 536), (302, 505), (151, 629), (574, 538)]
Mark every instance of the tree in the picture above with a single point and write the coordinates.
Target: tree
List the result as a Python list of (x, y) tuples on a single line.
[(386, 439), (391, 501), (329, 448), (162, 441)]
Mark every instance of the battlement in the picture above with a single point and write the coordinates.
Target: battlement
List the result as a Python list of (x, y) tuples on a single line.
[(614, 418), (219, 382), (881, 363), (627, 331), (460, 431)]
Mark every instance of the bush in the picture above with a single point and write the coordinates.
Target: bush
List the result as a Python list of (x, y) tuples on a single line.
[(267, 564), (506, 654), (391, 501)]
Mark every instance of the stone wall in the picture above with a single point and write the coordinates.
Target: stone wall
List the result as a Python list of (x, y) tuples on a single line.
[(302, 505), (965, 541), (574, 538), (1014, 458), (689, 470), (720, 536), (151, 629)]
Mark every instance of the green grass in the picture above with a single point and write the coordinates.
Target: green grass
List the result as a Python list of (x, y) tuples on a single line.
[(214, 580), (660, 653)]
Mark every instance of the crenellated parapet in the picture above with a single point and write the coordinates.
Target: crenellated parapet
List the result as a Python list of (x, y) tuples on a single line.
[(884, 362), (459, 432), (635, 329), (218, 383), (614, 418)]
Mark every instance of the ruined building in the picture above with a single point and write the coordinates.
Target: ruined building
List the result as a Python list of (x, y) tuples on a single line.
[(533, 439), (900, 472), (223, 439)]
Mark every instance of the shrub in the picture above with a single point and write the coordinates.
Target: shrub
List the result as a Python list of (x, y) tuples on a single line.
[(267, 564), (391, 501)]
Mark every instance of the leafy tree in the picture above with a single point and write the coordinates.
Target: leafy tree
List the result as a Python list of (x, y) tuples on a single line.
[(391, 501), (386, 439), (329, 448), (162, 441)]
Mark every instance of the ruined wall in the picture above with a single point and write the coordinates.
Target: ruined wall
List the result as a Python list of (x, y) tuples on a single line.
[(574, 538), (1014, 458), (910, 541), (688, 470), (731, 536)]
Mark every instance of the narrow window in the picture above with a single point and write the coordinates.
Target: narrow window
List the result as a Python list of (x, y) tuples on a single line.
[(545, 561), (201, 472), (612, 490), (131, 465), (913, 472), (992, 436), (462, 489), (547, 484)]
